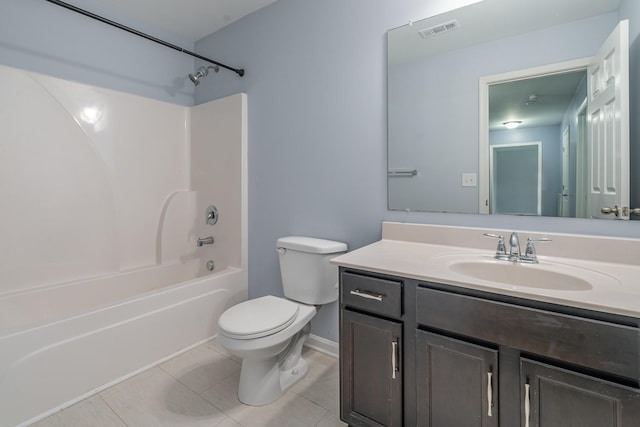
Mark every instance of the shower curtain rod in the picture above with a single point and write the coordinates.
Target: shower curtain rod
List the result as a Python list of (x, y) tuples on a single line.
[(239, 71)]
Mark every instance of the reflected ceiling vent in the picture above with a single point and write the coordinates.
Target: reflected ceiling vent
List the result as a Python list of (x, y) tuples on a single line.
[(439, 29)]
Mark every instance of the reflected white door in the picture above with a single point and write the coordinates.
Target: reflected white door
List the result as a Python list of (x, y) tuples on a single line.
[(608, 121)]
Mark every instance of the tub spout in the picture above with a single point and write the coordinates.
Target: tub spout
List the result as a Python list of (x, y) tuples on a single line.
[(205, 241)]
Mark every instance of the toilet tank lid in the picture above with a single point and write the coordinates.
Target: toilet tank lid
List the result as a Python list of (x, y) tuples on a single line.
[(311, 245)]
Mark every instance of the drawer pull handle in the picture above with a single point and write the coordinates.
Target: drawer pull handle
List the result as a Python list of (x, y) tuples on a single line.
[(366, 294), (489, 393), (527, 405), (394, 359)]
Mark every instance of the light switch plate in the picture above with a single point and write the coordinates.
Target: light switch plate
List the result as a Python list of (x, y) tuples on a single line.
[(469, 180)]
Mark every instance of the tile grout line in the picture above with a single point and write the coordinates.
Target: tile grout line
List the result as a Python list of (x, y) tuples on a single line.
[(112, 410)]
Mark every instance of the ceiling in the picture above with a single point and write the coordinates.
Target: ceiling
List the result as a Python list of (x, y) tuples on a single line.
[(540, 101), (190, 20)]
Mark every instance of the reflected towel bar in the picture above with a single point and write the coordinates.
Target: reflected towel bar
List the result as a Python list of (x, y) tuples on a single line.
[(405, 173)]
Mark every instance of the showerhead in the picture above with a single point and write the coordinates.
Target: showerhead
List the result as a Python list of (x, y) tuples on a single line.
[(201, 73)]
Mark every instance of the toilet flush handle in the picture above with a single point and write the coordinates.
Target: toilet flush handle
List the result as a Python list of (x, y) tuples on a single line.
[(281, 251)]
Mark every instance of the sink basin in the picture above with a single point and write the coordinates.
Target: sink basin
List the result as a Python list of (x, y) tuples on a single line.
[(531, 276), (546, 275)]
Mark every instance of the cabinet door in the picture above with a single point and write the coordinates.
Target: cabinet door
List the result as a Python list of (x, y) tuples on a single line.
[(457, 382), (555, 397), (370, 371)]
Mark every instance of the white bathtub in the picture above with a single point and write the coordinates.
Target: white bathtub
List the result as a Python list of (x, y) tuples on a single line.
[(62, 343)]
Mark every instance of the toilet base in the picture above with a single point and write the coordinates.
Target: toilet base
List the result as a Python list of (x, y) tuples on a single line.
[(264, 381), (292, 376)]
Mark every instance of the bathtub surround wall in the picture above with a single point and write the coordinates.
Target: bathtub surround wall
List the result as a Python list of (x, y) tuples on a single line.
[(317, 146), (85, 176), (97, 182), (218, 174), (104, 198)]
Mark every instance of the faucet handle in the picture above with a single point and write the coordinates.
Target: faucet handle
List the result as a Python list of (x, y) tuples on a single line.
[(530, 251), (501, 250)]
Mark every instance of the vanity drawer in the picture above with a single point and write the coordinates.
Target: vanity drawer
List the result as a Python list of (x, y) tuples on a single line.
[(382, 296), (604, 346)]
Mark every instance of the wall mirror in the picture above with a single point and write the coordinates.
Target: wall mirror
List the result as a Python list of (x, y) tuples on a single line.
[(453, 81)]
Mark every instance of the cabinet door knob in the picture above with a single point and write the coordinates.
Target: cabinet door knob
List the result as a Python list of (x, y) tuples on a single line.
[(367, 294)]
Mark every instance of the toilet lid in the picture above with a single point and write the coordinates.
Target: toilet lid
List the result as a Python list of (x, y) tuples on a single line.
[(258, 317)]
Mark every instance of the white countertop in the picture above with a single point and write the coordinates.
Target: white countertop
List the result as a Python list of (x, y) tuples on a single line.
[(615, 285)]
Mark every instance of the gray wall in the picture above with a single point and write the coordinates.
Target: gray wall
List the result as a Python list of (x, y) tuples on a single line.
[(39, 36), (316, 85)]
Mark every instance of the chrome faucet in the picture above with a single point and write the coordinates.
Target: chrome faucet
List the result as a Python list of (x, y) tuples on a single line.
[(205, 241), (514, 254)]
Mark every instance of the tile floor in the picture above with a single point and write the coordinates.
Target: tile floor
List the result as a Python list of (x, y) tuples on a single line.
[(199, 388)]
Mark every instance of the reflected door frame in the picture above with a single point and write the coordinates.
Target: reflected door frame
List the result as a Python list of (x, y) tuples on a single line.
[(582, 157), (484, 83)]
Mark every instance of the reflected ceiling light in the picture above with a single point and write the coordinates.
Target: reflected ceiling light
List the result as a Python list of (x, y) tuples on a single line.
[(512, 124)]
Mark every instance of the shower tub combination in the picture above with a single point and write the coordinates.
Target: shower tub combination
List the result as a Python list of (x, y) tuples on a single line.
[(101, 275)]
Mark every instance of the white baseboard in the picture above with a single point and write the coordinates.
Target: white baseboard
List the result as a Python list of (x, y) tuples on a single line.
[(322, 345)]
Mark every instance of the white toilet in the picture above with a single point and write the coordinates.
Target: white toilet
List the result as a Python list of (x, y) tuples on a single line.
[(267, 333)]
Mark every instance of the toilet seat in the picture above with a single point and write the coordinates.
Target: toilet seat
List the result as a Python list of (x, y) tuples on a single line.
[(258, 317)]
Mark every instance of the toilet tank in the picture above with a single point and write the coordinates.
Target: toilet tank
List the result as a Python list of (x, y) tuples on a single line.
[(307, 275)]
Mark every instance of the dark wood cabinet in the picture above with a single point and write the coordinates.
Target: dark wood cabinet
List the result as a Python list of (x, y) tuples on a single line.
[(436, 355), (556, 397), (371, 350), (370, 370), (456, 382)]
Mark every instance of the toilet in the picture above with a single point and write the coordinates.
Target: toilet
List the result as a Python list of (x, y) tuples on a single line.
[(267, 333)]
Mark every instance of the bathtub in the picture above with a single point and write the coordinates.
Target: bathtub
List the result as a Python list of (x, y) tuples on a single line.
[(61, 343)]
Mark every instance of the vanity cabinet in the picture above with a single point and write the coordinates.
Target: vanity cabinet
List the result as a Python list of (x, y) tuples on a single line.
[(550, 393), (554, 396), (478, 359), (455, 382), (371, 375)]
